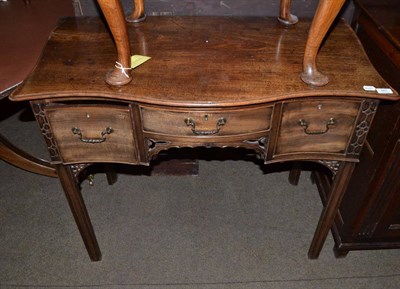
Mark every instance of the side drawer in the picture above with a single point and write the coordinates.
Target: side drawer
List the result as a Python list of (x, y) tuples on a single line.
[(206, 123), (93, 133), (316, 126)]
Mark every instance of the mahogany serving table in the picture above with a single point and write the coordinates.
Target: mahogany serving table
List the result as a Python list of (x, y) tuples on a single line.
[(211, 82)]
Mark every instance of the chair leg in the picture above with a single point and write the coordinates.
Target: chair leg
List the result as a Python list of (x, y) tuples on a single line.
[(138, 13), (324, 16), (113, 12), (285, 16)]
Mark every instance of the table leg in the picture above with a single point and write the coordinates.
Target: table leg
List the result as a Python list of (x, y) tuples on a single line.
[(294, 174), (137, 14), (112, 176), (284, 15), (114, 14), (78, 208), (331, 208), (326, 13)]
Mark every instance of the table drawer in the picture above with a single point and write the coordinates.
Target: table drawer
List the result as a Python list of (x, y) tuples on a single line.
[(206, 123), (91, 133), (323, 126)]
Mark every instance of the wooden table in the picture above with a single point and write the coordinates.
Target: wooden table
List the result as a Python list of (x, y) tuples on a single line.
[(211, 82)]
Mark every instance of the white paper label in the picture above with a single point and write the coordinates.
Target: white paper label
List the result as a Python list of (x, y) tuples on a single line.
[(369, 88), (384, 91)]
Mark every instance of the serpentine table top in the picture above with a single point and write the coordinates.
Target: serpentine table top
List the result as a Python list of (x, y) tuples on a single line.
[(200, 61)]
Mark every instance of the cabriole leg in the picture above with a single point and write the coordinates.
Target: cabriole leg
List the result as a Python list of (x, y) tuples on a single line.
[(113, 12), (138, 13), (284, 15), (327, 11)]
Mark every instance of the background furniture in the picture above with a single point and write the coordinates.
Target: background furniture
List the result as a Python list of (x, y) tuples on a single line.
[(25, 29), (370, 214)]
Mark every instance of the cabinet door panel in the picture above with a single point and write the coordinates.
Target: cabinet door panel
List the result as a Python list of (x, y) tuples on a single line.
[(389, 224)]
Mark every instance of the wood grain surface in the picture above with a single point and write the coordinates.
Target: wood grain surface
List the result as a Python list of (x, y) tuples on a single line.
[(242, 60)]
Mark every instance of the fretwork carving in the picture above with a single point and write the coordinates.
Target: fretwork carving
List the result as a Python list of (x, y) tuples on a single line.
[(78, 168), (155, 146), (362, 127), (258, 145), (332, 165), (38, 110)]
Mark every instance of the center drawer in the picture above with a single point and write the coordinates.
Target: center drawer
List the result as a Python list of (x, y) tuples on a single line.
[(206, 123)]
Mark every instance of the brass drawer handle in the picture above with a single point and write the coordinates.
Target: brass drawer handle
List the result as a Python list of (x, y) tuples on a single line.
[(190, 122), (77, 131), (305, 124)]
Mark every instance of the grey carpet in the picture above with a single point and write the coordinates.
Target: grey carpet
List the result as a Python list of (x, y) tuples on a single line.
[(233, 226)]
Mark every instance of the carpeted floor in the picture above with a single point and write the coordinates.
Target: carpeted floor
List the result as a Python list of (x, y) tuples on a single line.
[(232, 226)]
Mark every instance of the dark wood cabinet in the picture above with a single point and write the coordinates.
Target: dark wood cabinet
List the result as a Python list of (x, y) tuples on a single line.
[(369, 216)]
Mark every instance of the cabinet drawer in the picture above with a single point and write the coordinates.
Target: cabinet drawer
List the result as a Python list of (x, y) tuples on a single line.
[(93, 134), (206, 123), (323, 126)]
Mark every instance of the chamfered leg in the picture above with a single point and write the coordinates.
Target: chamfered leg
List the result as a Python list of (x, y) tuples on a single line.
[(79, 211), (331, 208)]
